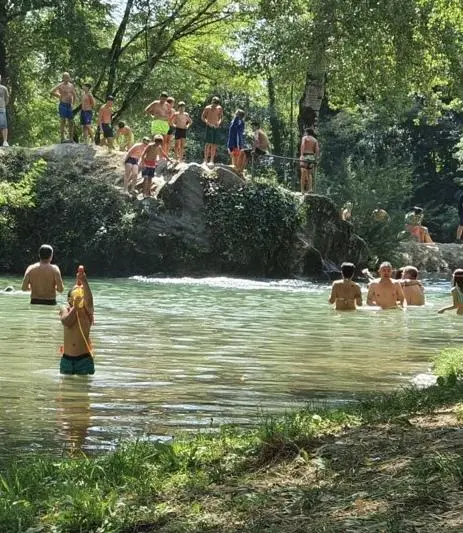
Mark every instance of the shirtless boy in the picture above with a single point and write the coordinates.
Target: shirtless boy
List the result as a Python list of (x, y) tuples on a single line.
[(105, 119), (77, 319), (346, 294), (43, 279), (124, 136), (310, 152), (212, 116), (160, 111), (149, 161), (384, 292), (131, 163), (170, 133), (66, 93), (86, 112), (181, 122), (260, 146), (412, 288)]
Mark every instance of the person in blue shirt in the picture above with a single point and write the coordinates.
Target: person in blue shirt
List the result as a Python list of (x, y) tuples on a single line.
[(236, 137)]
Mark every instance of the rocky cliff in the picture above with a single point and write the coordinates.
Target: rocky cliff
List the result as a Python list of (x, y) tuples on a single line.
[(437, 257), (199, 220)]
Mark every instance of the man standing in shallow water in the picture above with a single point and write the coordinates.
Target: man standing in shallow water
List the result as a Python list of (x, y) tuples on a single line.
[(77, 319), (384, 292), (43, 279)]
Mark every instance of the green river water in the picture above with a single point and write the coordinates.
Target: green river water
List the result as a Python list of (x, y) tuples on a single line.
[(182, 354)]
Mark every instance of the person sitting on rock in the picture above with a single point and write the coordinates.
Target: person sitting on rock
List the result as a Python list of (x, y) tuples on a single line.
[(413, 224), (412, 288), (150, 160), (345, 293), (457, 293)]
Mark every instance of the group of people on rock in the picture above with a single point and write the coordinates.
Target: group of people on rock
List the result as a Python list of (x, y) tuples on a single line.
[(391, 290)]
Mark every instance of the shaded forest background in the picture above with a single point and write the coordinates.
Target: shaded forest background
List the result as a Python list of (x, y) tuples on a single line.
[(382, 83)]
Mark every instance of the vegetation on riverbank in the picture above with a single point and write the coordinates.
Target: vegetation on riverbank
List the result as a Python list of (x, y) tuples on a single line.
[(389, 463)]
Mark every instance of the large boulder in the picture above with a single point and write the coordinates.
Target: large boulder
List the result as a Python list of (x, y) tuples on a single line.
[(327, 240)]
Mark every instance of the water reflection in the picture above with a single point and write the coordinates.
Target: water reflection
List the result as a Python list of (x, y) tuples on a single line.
[(73, 412)]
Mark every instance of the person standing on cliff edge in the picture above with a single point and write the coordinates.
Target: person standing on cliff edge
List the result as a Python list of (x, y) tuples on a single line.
[(43, 279), (4, 99)]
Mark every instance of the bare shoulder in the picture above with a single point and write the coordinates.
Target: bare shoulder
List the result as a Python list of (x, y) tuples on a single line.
[(56, 269)]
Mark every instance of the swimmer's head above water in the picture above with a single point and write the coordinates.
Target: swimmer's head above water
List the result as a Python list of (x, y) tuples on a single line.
[(458, 278)]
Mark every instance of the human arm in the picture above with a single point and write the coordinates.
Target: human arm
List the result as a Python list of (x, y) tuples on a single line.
[(149, 108), (189, 120), (55, 91), (26, 281), (204, 116), (73, 96), (371, 295), (58, 280), (400, 297), (68, 315), (332, 297), (6, 96), (88, 296), (100, 116), (301, 150), (219, 116)]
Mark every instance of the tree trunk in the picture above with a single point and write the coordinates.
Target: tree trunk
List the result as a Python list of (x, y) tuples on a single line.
[(3, 28), (275, 123)]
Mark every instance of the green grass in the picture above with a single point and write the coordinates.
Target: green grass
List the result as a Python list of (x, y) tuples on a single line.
[(208, 482)]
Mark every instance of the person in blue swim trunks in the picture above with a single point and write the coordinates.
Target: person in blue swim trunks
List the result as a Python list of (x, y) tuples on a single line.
[(66, 93), (86, 113)]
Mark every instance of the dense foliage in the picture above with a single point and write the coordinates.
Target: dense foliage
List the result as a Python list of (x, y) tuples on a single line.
[(381, 81), (253, 227)]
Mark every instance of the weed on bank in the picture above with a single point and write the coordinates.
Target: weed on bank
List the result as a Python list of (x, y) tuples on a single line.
[(382, 462)]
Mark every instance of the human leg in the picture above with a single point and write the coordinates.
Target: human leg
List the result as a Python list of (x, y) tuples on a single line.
[(133, 177), (459, 232), (5, 136), (127, 176)]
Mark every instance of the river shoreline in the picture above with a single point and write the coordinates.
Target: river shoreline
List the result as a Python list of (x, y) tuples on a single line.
[(389, 463)]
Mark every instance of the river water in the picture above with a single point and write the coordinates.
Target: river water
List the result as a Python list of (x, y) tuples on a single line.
[(183, 354)]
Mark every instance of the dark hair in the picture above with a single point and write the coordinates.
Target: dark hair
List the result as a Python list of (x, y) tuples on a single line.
[(110, 97), (121, 124), (181, 104), (171, 99), (255, 124), (87, 85), (239, 113), (417, 210), (458, 278), (413, 271), (348, 270), (215, 100), (398, 273), (309, 131), (164, 94), (45, 251)]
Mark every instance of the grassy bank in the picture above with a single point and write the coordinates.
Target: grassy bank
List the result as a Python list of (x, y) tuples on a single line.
[(391, 463)]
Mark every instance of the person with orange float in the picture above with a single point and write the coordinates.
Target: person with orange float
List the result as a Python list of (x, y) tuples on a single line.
[(77, 319)]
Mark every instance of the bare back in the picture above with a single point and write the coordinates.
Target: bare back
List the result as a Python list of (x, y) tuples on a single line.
[(413, 291), (309, 145), (43, 280), (345, 294)]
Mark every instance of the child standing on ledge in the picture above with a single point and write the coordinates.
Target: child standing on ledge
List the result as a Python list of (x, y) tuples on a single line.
[(345, 293)]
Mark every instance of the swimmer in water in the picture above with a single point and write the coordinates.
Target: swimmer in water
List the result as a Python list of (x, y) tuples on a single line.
[(345, 293), (412, 288), (43, 279), (457, 293), (384, 292), (77, 319)]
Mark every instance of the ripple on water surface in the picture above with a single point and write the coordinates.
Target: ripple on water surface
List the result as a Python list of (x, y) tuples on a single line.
[(183, 353)]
